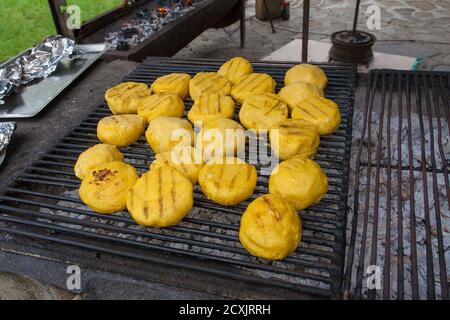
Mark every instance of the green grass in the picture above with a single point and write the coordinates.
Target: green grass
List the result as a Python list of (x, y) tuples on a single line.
[(24, 23)]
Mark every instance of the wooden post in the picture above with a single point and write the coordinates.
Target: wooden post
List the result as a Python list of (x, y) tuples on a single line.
[(305, 37), (60, 18)]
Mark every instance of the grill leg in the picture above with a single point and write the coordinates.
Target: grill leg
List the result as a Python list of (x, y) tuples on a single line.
[(243, 23), (305, 37)]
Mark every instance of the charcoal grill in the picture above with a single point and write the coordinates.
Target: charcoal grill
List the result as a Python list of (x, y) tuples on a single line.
[(43, 204), (402, 195)]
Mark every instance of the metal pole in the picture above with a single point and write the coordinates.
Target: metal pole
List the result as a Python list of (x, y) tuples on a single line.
[(355, 19), (305, 37), (242, 23), (269, 15)]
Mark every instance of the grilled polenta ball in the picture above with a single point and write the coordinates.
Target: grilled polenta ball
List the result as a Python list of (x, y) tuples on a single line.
[(300, 181), (126, 97), (160, 198), (235, 68), (270, 228), (94, 156), (165, 133), (106, 187), (177, 83), (296, 92), (306, 73), (221, 138), (209, 82), (187, 160), (261, 111), (323, 113), (291, 138), (211, 106), (121, 130), (252, 84), (228, 181), (161, 105)]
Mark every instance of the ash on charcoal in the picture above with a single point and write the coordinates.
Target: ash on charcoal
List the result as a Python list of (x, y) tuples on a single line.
[(419, 228), (416, 134)]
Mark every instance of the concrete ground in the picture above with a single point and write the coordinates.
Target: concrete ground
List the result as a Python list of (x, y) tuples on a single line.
[(413, 28), (418, 28)]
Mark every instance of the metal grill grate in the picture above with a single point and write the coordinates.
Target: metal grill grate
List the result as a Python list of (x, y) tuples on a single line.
[(401, 214), (44, 203)]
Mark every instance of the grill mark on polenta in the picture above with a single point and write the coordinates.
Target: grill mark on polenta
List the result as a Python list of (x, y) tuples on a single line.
[(259, 83), (307, 112), (272, 209), (219, 107), (233, 180), (316, 108)]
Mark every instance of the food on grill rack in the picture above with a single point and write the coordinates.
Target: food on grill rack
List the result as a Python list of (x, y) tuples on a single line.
[(252, 84), (296, 92), (270, 228), (187, 160), (211, 106), (120, 130), (228, 181), (177, 83), (220, 138), (291, 138), (165, 133), (126, 97), (306, 73), (209, 82), (235, 68), (161, 198), (261, 111), (106, 187), (161, 105), (94, 156), (323, 113), (300, 181)]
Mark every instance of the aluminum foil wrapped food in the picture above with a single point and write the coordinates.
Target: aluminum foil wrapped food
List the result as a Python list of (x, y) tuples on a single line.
[(37, 63), (6, 131)]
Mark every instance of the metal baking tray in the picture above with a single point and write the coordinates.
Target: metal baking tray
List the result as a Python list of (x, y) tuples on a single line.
[(31, 99)]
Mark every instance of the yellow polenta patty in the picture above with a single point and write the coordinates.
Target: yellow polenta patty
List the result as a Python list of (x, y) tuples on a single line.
[(296, 92), (209, 82), (126, 97), (106, 187), (235, 68), (160, 198), (221, 138), (300, 181), (165, 133), (186, 159), (228, 181), (261, 111), (120, 130), (270, 228), (161, 105), (252, 84), (177, 83), (211, 106), (306, 73), (323, 113), (291, 138), (94, 156)]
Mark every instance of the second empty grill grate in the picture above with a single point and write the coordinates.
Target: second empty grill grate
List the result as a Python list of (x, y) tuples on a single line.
[(400, 233)]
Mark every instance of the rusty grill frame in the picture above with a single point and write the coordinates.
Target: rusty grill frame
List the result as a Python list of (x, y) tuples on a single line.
[(41, 187), (400, 94)]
